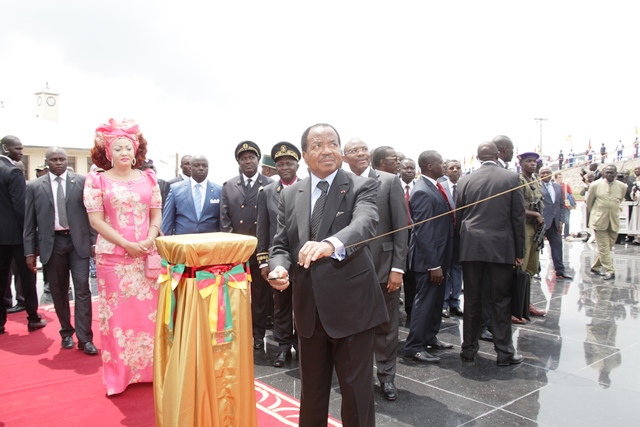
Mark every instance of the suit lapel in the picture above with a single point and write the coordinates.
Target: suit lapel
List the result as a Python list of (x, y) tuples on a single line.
[(338, 189), (303, 210), (46, 187)]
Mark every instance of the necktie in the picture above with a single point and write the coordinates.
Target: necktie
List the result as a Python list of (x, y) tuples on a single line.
[(454, 194), (406, 198), (444, 194), (249, 183), (197, 200), (62, 208), (316, 217)]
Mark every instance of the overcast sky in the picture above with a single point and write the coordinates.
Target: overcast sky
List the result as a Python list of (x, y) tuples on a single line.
[(199, 77)]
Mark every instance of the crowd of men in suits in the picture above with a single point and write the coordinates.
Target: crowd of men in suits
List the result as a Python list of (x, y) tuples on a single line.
[(347, 241)]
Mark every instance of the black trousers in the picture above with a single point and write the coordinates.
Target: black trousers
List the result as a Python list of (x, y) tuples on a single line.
[(261, 297), (65, 258), (498, 285), (352, 357), (27, 277)]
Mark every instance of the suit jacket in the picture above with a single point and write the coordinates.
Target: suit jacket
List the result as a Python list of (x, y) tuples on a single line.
[(345, 294), (494, 230), (179, 214), (239, 211), (552, 210), (12, 196), (268, 201), (389, 251), (39, 231), (174, 180), (603, 204), (431, 243)]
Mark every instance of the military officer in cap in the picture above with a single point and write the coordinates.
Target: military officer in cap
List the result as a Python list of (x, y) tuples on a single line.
[(238, 214), (268, 167), (533, 206), (286, 157)]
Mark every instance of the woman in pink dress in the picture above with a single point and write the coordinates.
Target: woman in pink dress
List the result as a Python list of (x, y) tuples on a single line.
[(124, 206)]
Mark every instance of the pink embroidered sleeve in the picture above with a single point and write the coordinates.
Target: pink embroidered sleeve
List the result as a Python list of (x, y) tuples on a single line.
[(156, 197), (93, 192)]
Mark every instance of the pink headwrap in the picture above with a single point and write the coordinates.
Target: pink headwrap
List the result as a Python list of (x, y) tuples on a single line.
[(107, 134)]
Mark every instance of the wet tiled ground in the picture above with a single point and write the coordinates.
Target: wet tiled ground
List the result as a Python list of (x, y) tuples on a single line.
[(581, 360)]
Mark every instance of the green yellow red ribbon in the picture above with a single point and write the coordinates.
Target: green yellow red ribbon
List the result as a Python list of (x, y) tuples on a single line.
[(214, 282), (173, 273)]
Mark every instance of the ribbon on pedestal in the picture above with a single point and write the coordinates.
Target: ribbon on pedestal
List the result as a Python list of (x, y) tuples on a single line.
[(173, 273), (214, 282)]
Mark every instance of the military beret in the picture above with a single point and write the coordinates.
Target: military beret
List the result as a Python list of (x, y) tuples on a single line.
[(41, 167), (529, 155), (247, 146), (267, 161), (285, 149)]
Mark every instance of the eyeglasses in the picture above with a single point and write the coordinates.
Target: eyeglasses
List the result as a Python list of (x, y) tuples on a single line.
[(358, 150), (391, 159)]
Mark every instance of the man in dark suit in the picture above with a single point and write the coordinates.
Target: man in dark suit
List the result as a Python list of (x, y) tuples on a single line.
[(183, 175), (553, 214), (164, 185), (389, 252), (56, 223), (505, 150), (408, 176), (193, 205), (286, 157), (323, 221), (12, 203), (453, 278), (430, 250), (492, 240), (239, 214)]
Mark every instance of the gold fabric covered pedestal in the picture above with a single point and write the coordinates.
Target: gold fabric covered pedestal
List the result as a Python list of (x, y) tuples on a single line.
[(203, 354)]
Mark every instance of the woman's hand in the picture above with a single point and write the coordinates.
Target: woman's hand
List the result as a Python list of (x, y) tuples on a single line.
[(135, 249)]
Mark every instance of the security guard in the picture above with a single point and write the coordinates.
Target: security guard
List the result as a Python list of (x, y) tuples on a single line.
[(238, 214), (533, 208)]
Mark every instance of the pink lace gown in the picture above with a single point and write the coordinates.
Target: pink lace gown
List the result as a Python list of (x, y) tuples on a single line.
[(128, 300)]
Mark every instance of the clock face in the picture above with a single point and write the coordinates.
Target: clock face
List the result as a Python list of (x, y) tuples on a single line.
[(39, 100), (51, 101)]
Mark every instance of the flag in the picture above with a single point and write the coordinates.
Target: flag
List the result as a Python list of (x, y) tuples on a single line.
[(537, 149), (589, 146), (636, 130), (568, 138), (464, 162)]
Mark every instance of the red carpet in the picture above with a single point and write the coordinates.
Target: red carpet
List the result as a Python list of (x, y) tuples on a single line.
[(44, 384)]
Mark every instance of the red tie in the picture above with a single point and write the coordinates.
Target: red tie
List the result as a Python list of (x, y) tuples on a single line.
[(444, 194), (406, 198)]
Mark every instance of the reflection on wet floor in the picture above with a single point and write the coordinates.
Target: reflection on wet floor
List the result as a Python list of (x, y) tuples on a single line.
[(580, 360)]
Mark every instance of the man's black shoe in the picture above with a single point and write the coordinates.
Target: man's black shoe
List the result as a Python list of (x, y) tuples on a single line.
[(281, 358), (467, 359), (258, 344), (456, 311), (67, 342), (16, 309), (389, 391), (88, 348), (34, 326), (515, 359), (424, 357), (440, 345)]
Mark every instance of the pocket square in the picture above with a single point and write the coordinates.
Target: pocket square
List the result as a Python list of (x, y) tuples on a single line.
[(338, 214), (214, 201)]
